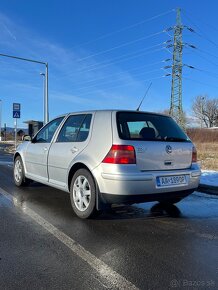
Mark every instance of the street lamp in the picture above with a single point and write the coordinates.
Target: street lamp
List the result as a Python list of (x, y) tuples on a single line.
[(44, 98), (202, 100), (46, 119)]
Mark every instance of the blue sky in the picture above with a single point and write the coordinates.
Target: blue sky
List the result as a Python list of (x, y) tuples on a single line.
[(102, 54)]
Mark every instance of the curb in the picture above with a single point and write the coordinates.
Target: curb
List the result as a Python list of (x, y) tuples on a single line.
[(209, 189)]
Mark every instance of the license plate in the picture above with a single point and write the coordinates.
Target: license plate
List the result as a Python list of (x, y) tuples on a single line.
[(171, 180)]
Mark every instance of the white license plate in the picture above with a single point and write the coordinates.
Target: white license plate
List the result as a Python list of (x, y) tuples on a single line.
[(171, 180)]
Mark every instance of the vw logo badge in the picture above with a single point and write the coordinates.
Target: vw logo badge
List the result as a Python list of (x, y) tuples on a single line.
[(168, 149)]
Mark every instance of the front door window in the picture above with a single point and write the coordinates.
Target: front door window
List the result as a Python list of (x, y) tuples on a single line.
[(46, 134)]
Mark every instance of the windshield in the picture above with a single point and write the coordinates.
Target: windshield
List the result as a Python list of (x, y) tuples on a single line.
[(149, 127)]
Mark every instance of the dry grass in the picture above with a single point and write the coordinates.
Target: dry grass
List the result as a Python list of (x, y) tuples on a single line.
[(207, 155), (206, 142)]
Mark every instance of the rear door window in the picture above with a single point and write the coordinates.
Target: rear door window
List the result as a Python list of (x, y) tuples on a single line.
[(149, 127), (75, 129)]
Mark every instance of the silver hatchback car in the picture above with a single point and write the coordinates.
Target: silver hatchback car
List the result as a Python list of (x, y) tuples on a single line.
[(110, 156)]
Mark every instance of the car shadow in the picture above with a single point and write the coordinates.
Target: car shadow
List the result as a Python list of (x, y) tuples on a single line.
[(51, 200), (157, 210), (161, 209)]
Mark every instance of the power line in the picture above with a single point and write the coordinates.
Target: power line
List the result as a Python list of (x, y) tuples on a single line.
[(118, 79), (202, 70), (111, 61), (120, 73), (208, 60), (203, 21), (202, 35), (127, 54), (198, 50), (121, 59), (207, 72), (123, 85), (121, 45), (209, 85), (126, 28), (208, 53)]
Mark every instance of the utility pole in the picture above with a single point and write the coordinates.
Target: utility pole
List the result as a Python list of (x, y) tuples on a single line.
[(202, 104), (176, 110), (15, 133)]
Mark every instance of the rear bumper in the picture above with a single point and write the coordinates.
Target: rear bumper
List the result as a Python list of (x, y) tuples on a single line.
[(130, 199), (134, 186)]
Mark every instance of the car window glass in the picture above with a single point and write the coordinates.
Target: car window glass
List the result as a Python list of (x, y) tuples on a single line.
[(149, 127), (45, 135), (135, 128), (75, 129)]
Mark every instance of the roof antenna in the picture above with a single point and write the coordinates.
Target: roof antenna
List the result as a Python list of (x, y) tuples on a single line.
[(144, 97)]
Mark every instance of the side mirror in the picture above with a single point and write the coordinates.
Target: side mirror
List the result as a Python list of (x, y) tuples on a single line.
[(26, 138)]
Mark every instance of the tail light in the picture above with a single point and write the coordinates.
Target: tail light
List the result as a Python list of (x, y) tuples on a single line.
[(120, 154), (194, 155)]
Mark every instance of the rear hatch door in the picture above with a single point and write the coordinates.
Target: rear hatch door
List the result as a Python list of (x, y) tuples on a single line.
[(160, 144)]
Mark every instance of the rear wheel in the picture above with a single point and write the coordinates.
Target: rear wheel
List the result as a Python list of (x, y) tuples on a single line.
[(83, 194), (19, 175)]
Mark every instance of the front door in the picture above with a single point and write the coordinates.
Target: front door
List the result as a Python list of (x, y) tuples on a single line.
[(36, 156)]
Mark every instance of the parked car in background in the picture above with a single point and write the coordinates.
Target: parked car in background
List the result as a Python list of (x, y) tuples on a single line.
[(110, 156)]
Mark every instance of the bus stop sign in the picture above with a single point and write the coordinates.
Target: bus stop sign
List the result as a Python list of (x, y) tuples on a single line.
[(16, 110)]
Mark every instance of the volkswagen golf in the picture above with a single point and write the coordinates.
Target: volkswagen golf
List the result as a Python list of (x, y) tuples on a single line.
[(110, 156)]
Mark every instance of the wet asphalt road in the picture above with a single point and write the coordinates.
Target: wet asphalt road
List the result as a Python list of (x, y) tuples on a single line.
[(146, 245)]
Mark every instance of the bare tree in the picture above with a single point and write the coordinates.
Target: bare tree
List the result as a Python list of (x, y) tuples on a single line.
[(206, 110), (186, 119)]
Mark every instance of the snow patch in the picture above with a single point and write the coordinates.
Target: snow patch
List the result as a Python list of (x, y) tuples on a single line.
[(209, 177)]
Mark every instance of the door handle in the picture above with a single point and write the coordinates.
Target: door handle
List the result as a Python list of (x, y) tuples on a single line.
[(45, 149), (74, 149)]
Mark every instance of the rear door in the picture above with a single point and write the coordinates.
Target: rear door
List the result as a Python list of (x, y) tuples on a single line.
[(159, 142), (71, 140)]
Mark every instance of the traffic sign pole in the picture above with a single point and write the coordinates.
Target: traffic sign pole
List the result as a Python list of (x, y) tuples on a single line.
[(16, 114), (15, 133)]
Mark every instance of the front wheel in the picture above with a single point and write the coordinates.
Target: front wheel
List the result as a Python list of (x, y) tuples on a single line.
[(83, 194), (19, 175)]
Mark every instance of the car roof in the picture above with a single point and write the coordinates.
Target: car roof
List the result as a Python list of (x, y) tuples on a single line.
[(111, 110)]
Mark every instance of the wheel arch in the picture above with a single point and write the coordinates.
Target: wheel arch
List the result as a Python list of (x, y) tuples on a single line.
[(16, 155), (100, 203), (74, 168), (19, 154)]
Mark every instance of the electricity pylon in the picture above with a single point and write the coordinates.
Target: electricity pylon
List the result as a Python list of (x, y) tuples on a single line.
[(176, 110)]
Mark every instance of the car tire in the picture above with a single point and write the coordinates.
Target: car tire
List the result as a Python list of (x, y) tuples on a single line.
[(19, 174), (83, 194)]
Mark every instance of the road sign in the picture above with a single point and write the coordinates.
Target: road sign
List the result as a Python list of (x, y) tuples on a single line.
[(16, 114), (16, 107), (16, 110)]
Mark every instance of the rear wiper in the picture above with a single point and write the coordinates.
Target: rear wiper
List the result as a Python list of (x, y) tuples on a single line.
[(175, 139)]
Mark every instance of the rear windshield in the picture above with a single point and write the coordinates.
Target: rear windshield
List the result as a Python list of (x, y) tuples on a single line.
[(149, 127)]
